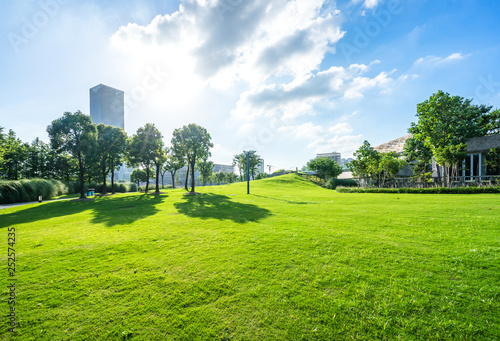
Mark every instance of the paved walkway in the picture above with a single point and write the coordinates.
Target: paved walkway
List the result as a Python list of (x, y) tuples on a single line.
[(3, 206)]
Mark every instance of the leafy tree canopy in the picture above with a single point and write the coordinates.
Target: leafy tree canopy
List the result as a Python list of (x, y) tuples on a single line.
[(325, 167), (193, 142), (76, 134)]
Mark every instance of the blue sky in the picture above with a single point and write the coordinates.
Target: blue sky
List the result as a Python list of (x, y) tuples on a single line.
[(286, 78)]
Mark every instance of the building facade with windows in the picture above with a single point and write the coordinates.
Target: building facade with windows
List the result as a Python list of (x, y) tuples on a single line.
[(107, 105), (334, 155)]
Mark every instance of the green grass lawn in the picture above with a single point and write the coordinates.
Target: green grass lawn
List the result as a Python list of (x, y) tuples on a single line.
[(291, 261)]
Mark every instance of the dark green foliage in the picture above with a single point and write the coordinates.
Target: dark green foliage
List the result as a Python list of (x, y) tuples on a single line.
[(191, 142), (325, 167), (240, 160), (74, 187), (418, 155), (334, 183), (261, 176), (77, 135), (29, 190), (146, 150), (445, 123), (493, 161), (432, 190), (206, 168)]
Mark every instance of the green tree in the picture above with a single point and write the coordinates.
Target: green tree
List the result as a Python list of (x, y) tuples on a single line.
[(261, 176), (37, 162), (240, 160), (389, 165), (193, 143), (14, 156), (138, 176), (173, 163), (365, 164), (75, 134), (111, 146), (231, 177), (145, 150), (2, 142), (493, 160), (63, 166), (445, 121), (418, 155), (450, 157), (325, 167), (206, 168)]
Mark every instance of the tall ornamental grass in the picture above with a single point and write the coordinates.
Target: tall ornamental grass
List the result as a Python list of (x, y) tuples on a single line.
[(29, 190)]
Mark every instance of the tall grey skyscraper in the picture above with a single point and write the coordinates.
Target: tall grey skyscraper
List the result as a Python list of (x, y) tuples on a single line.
[(107, 106)]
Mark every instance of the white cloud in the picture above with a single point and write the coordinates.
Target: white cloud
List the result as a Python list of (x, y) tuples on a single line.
[(340, 129), (266, 56), (225, 42), (345, 144), (334, 84), (430, 61), (371, 4)]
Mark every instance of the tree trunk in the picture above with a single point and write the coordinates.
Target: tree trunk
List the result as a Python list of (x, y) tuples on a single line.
[(147, 180), (192, 178), (173, 178), (112, 176), (187, 178), (157, 178), (82, 177), (103, 191)]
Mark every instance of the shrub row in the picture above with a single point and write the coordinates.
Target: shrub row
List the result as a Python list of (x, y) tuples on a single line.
[(334, 183), (74, 187), (431, 190), (29, 190)]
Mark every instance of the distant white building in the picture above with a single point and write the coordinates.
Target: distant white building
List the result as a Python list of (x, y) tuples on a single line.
[(334, 155), (260, 167), (223, 168)]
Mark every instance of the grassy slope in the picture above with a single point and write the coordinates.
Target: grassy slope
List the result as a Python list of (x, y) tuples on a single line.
[(291, 261)]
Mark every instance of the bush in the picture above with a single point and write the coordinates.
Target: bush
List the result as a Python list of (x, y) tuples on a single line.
[(120, 187), (29, 190), (334, 183), (432, 190)]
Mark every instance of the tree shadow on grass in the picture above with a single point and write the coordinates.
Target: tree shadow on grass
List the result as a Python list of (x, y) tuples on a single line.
[(214, 206), (287, 201), (109, 211)]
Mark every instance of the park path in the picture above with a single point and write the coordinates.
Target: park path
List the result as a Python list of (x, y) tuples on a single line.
[(4, 206)]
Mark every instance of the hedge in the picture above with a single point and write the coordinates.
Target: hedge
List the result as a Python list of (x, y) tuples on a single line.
[(29, 190), (74, 187), (334, 183), (431, 190)]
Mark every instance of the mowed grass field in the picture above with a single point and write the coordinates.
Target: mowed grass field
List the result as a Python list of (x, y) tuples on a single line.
[(291, 261)]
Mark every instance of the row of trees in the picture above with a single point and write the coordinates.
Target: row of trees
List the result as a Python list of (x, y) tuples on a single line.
[(80, 150), (20, 160)]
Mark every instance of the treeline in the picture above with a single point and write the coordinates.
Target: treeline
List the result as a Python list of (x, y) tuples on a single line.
[(82, 152), (87, 153)]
